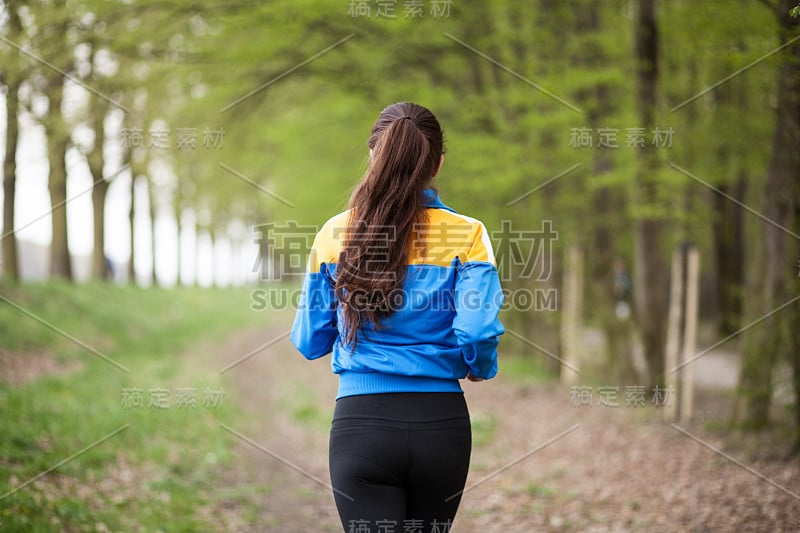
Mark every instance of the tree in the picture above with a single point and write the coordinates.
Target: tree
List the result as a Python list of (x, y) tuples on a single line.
[(778, 336), (50, 38), (11, 77), (98, 108), (651, 270)]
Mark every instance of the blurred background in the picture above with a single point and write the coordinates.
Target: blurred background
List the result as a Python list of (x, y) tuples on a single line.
[(636, 163)]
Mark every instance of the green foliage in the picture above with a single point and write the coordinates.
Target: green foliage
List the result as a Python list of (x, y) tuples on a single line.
[(296, 122), (525, 369), (173, 452), (483, 428)]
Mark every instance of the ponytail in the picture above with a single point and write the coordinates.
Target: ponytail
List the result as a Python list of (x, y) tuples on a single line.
[(406, 147)]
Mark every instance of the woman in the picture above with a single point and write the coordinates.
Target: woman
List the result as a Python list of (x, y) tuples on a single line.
[(405, 293)]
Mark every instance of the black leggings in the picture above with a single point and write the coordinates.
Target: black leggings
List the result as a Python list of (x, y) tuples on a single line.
[(399, 461)]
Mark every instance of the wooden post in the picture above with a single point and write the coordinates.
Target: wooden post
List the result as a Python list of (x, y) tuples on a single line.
[(673, 334), (682, 332), (571, 315), (686, 393)]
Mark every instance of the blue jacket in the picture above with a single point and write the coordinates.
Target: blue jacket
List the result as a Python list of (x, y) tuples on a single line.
[(446, 326)]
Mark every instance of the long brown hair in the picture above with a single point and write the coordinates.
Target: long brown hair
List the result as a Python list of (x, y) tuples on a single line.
[(406, 147)]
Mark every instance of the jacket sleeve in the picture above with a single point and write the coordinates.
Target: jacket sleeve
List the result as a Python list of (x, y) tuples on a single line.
[(314, 330), (478, 298)]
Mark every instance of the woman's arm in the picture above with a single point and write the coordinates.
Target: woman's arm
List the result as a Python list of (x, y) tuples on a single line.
[(314, 331), (478, 298)]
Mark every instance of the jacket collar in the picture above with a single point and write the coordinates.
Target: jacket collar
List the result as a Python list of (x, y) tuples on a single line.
[(430, 198)]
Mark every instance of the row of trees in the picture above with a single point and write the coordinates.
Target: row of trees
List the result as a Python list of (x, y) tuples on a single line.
[(70, 66), (667, 113)]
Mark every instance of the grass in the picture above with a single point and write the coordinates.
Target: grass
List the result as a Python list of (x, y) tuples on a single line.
[(484, 426), (525, 369), (311, 415), (539, 491), (160, 469), (303, 406)]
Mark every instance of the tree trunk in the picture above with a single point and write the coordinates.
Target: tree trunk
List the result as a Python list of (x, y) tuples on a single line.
[(138, 167), (100, 269), (179, 246), (795, 360), (729, 252), (728, 222), (58, 140), (212, 238), (794, 336), (793, 166), (601, 106), (152, 213), (651, 270), (12, 78), (57, 144), (131, 220), (774, 337), (10, 265), (99, 191)]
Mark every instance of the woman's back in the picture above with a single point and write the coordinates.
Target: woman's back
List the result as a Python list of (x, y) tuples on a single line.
[(447, 307)]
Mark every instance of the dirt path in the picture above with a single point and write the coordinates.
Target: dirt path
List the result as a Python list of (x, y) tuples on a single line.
[(604, 469), (288, 398)]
